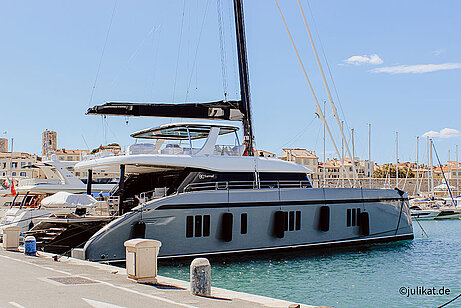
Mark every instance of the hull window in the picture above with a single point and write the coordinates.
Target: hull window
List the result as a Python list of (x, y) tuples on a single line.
[(286, 221), (298, 221), (198, 226), (189, 226), (353, 217), (244, 223), (292, 221), (206, 225)]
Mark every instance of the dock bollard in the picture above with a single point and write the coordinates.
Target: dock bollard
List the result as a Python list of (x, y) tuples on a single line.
[(141, 259), (200, 277), (30, 246), (11, 237)]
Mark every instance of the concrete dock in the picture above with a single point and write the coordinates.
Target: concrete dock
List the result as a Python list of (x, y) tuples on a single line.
[(43, 282)]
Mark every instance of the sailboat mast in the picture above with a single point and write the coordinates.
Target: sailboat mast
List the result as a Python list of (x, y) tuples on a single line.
[(243, 76)]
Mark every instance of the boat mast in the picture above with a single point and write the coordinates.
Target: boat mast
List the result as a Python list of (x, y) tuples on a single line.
[(243, 76), (417, 165), (397, 159), (457, 175), (370, 174)]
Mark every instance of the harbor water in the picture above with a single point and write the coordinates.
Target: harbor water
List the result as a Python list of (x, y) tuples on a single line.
[(399, 274)]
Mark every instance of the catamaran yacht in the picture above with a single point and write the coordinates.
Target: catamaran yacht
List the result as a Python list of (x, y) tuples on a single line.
[(222, 199), (213, 200)]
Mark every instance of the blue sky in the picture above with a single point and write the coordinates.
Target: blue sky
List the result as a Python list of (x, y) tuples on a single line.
[(395, 64)]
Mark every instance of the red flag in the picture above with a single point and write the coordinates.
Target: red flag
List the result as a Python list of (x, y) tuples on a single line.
[(13, 191)]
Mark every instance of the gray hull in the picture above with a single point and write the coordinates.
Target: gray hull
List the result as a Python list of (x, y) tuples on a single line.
[(312, 217)]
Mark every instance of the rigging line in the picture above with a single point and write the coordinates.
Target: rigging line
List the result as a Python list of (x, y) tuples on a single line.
[(328, 65), (443, 173), (196, 50), (298, 135), (223, 48), (156, 50), (328, 92), (84, 140), (134, 54), (179, 49), (318, 109), (102, 54)]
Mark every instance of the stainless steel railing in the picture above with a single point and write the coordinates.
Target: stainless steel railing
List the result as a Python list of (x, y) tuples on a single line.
[(228, 185)]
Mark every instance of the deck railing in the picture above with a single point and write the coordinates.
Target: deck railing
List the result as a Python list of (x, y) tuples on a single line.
[(228, 185)]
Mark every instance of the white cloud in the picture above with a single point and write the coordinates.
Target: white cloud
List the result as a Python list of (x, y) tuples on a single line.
[(438, 52), (444, 133), (365, 59), (416, 69)]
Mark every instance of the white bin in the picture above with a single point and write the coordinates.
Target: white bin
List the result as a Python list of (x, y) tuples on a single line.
[(11, 237), (141, 259)]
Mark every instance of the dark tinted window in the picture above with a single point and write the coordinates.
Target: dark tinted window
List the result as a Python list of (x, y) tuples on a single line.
[(292, 221), (298, 220), (198, 226), (244, 223), (189, 226), (206, 225)]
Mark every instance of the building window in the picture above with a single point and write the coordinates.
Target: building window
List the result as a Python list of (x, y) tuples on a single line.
[(198, 225), (14, 165), (23, 164), (22, 174), (13, 173)]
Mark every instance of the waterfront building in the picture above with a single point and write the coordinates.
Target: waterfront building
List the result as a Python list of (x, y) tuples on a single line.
[(302, 157), (70, 155), (16, 165), (3, 145), (49, 142)]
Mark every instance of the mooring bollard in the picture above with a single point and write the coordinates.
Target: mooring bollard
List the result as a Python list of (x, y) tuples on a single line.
[(200, 277), (30, 246), (11, 237), (141, 260)]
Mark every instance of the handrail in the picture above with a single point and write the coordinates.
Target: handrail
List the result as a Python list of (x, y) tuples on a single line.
[(228, 185)]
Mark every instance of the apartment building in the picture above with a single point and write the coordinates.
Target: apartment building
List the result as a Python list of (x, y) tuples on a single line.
[(17, 165)]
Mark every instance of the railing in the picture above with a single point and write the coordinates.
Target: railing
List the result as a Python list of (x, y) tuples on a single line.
[(157, 193), (148, 148), (31, 182), (113, 204), (246, 185)]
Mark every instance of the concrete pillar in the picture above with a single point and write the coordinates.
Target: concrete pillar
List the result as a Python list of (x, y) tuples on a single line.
[(200, 277), (11, 237), (141, 260)]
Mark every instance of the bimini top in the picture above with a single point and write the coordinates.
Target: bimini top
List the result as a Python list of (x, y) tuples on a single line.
[(183, 131)]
